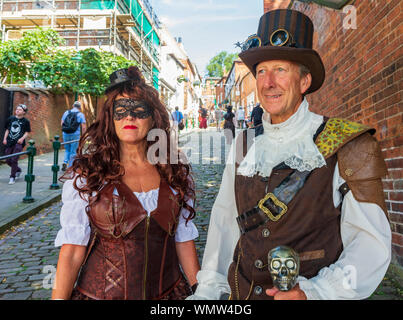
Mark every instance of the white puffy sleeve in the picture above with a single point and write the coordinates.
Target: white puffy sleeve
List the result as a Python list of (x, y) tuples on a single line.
[(186, 231), (366, 254), (75, 228)]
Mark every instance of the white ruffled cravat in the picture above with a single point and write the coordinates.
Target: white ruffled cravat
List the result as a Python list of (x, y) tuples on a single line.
[(290, 141)]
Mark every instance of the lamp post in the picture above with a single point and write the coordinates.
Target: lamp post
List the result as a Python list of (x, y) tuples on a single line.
[(77, 59)]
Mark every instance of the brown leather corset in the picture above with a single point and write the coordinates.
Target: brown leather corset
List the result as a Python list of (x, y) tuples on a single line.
[(131, 255)]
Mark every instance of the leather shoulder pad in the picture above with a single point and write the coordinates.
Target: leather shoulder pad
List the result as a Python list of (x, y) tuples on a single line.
[(361, 159), (337, 133), (362, 166)]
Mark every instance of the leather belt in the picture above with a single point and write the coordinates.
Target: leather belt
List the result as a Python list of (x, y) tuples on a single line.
[(274, 204)]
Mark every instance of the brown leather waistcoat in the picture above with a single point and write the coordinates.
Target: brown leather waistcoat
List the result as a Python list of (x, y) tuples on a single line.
[(131, 255), (312, 224), (311, 227)]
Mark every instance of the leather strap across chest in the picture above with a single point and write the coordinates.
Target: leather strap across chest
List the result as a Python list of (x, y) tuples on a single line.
[(275, 204)]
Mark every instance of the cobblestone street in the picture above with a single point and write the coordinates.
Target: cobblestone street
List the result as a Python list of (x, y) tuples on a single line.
[(28, 257)]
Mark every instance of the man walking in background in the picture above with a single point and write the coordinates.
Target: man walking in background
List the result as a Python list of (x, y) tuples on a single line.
[(17, 129), (240, 116), (71, 122), (178, 118), (218, 118), (256, 119)]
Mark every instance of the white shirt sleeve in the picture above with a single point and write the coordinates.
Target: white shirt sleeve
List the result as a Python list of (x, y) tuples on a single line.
[(186, 231), (366, 254), (222, 238), (75, 228)]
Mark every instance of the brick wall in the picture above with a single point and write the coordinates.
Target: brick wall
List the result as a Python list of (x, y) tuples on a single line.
[(364, 83), (220, 90), (45, 111)]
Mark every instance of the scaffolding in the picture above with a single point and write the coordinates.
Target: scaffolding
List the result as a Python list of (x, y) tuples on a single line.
[(125, 27)]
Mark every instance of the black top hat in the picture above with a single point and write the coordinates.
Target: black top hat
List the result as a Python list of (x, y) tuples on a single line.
[(118, 77), (285, 34)]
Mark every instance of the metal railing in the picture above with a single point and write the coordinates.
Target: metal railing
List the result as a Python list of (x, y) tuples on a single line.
[(30, 177), (55, 167)]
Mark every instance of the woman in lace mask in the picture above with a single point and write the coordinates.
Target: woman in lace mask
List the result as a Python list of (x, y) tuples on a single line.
[(126, 220)]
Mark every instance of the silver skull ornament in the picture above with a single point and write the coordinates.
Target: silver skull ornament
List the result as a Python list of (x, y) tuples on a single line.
[(283, 264)]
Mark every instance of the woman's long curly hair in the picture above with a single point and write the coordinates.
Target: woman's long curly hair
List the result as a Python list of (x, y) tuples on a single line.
[(98, 159)]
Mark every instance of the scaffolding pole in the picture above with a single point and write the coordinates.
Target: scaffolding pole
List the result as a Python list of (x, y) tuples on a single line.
[(114, 28), (1, 22), (78, 25)]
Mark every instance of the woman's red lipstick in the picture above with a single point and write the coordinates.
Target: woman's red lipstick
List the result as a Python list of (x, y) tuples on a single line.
[(129, 127)]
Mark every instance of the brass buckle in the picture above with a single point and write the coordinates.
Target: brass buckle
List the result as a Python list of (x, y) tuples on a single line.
[(277, 202)]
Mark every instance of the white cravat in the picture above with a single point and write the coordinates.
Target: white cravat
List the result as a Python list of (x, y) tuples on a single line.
[(290, 141)]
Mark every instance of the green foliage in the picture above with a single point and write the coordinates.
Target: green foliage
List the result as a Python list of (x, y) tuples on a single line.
[(88, 75), (37, 57), (15, 55), (216, 65)]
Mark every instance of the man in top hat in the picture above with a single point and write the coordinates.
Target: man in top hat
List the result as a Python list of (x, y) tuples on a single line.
[(307, 182)]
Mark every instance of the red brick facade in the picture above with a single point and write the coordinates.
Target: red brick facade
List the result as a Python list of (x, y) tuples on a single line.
[(248, 92), (45, 111), (364, 82)]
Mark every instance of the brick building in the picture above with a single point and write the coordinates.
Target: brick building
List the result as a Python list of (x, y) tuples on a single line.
[(361, 48), (248, 97), (232, 84), (208, 96), (220, 91)]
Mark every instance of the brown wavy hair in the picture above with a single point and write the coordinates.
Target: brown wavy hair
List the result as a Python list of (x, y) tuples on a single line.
[(98, 159)]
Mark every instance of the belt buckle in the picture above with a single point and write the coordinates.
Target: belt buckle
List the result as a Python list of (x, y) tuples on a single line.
[(277, 202)]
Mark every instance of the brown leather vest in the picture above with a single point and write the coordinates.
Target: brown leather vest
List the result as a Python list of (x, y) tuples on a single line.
[(312, 224), (311, 227), (131, 255)]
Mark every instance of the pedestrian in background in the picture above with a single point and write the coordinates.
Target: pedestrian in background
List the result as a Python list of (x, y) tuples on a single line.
[(218, 118), (73, 123), (240, 116), (229, 118), (178, 118), (203, 118), (256, 119), (17, 129)]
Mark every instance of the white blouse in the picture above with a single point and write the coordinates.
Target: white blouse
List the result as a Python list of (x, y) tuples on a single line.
[(75, 227), (364, 228)]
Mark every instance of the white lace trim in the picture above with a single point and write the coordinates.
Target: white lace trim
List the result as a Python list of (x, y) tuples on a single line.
[(290, 141)]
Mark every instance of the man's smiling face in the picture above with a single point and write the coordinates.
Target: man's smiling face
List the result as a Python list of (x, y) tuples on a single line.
[(280, 87)]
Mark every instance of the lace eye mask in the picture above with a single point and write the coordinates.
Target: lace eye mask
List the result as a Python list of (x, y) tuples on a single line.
[(124, 107)]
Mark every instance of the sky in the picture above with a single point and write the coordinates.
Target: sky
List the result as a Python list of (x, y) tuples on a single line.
[(208, 27)]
